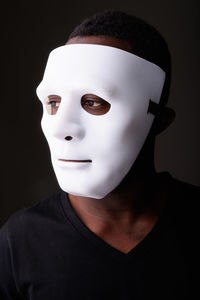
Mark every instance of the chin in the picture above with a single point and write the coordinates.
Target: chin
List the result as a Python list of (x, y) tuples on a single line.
[(81, 193)]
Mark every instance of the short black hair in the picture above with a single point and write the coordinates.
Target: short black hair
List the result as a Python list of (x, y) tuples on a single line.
[(144, 39)]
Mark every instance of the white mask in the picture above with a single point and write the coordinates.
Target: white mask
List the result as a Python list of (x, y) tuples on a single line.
[(106, 136)]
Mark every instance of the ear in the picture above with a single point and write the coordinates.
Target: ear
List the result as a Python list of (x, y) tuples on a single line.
[(164, 119)]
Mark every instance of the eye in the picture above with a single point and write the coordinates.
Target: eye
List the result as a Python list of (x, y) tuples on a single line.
[(52, 103), (94, 104)]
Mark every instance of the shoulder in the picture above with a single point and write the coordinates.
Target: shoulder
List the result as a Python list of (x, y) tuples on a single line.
[(179, 190), (184, 195), (26, 219), (186, 189), (183, 202), (182, 199)]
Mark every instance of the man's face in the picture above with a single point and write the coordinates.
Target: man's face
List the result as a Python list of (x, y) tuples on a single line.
[(95, 119)]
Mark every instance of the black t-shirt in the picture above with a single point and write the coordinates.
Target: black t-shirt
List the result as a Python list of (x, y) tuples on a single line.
[(47, 252)]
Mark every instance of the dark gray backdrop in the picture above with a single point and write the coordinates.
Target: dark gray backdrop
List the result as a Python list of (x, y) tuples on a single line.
[(30, 31)]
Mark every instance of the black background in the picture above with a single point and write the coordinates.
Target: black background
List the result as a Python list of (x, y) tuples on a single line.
[(30, 31)]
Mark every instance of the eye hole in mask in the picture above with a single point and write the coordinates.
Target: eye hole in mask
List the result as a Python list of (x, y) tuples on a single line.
[(94, 105), (90, 103), (52, 103)]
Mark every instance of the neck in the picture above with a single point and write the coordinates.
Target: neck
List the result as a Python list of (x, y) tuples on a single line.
[(129, 200)]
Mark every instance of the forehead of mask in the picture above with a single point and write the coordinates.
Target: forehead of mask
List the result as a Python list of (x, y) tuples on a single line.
[(111, 73)]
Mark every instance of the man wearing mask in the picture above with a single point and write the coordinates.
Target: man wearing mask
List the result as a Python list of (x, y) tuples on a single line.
[(117, 229)]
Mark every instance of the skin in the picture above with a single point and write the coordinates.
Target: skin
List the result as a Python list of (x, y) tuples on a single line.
[(126, 215)]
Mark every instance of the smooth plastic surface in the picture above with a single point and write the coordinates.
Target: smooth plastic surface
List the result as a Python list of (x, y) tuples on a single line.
[(109, 143)]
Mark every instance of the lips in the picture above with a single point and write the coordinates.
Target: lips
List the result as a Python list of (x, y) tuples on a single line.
[(76, 161)]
